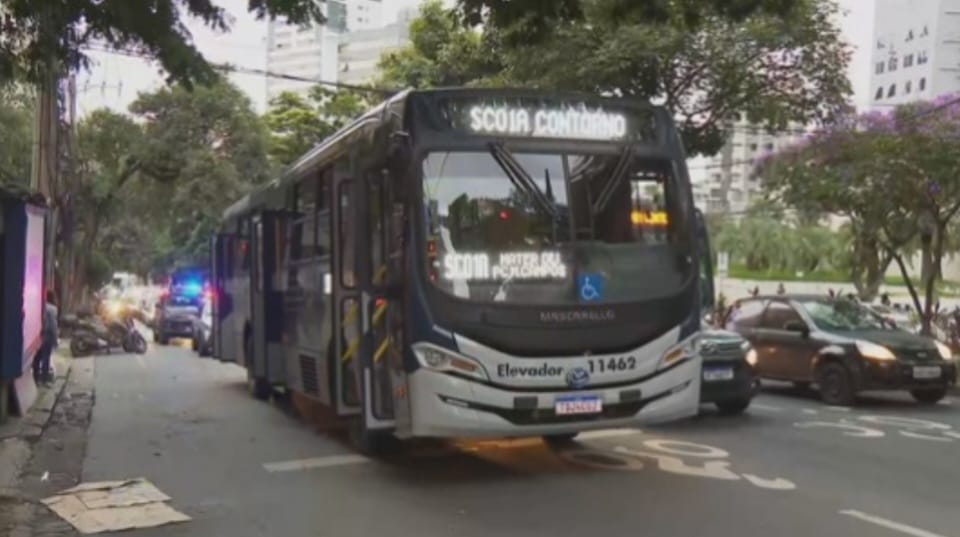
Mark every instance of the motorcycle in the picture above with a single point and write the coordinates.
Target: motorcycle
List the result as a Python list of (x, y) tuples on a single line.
[(93, 335)]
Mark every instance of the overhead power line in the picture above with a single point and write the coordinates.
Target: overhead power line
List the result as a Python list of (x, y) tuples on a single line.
[(228, 68)]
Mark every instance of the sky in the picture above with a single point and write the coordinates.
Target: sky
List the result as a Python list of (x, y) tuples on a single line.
[(114, 80)]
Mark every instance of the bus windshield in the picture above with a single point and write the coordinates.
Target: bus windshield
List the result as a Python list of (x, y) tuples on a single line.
[(550, 228)]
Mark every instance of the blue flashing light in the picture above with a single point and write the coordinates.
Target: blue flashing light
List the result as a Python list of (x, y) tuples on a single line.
[(192, 288)]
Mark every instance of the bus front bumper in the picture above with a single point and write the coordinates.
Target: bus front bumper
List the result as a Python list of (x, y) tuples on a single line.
[(443, 405)]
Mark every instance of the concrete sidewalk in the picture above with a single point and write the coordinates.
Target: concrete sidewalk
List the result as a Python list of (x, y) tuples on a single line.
[(18, 433)]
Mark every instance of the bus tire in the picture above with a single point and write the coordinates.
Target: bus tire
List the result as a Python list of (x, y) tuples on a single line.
[(559, 439), (259, 387), (373, 443)]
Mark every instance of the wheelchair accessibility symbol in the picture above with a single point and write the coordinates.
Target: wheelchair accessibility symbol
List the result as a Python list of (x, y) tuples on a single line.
[(590, 287)]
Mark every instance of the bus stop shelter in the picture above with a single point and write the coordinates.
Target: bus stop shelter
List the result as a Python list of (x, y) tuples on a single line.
[(22, 234)]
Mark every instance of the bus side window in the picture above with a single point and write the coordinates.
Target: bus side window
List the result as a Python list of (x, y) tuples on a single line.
[(227, 250), (243, 245), (346, 233), (322, 220), (376, 214)]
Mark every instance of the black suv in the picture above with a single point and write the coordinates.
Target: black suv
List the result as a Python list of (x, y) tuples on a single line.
[(841, 346)]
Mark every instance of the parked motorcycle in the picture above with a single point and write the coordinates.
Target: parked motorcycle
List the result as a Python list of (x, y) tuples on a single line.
[(93, 335)]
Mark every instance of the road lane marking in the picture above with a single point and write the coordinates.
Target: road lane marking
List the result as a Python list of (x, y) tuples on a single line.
[(765, 408), (889, 524), (809, 411), (316, 462), (839, 408), (607, 433)]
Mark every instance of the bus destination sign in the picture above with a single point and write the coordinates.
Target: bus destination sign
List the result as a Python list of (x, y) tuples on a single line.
[(570, 122)]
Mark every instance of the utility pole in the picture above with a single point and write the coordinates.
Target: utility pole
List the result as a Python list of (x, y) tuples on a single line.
[(46, 158)]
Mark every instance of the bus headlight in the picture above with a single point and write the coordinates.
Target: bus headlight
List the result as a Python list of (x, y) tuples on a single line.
[(684, 351), (439, 359)]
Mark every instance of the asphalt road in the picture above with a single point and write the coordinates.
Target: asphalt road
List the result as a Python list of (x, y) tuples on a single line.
[(789, 467)]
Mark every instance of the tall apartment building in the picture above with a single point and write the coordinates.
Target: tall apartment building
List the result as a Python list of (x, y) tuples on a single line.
[(311, 52), (360, 50), (916, 51), (731, 170)]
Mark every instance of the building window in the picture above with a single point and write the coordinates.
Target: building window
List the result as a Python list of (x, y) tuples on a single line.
[(753, 147), (880, 68), (769, 146), (922, 57), (923, 85), (892, 64), (908, 60), (908, 87), (925, 32), (892, 92), (879, 94), (909, 35)]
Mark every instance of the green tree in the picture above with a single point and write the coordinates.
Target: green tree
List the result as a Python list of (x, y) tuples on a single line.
[(895, 176), (205, 148), (296, 124), (774, 71), (441, 52), (35, 35), (106, 161), (530, 20), (16, 135), (707, 62)]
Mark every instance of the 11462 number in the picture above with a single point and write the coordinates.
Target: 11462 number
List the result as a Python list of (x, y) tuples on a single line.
[(612, 364)]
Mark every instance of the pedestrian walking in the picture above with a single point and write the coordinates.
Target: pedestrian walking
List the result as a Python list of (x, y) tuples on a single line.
[(781, 290), (49, 339), (885, 299)]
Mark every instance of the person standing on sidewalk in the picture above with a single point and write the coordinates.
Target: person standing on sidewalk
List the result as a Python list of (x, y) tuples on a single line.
[(50, 336)]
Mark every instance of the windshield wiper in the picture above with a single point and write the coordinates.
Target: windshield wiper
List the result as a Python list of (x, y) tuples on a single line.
[(521, 179), (610, 188)]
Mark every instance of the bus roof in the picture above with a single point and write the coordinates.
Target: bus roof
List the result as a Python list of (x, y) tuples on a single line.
[(327, 147)]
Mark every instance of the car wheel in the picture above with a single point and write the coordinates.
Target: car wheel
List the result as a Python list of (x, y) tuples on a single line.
[(836, 386), (559, 439), (732, 407), (929, 396)]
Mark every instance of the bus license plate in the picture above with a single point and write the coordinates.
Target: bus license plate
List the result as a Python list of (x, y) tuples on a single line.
[(718, 374), (566, 406), (926, 372)]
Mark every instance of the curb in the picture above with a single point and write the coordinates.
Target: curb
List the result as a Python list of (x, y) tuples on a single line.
[(31, 426)]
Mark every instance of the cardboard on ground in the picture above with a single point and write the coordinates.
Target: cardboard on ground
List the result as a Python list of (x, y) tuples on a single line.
[(114, 506)]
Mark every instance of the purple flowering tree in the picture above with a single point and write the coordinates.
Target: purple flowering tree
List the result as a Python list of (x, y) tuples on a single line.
[(895, 175)]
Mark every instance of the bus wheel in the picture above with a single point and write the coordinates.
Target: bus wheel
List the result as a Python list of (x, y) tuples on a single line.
[(559, 439), (373, 443), (258, 386)]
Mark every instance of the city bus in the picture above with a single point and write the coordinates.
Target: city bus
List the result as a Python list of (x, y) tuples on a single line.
[(472, 263)]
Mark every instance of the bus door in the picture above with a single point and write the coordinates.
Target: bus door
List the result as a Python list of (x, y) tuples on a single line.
[(221, 250), (380, 304), (346, 295), (266, 307)]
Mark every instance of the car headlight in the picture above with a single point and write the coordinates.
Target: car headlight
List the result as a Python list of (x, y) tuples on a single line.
[(874, 351), (745, 346), (945, 351), (751, 357), (439, 359)]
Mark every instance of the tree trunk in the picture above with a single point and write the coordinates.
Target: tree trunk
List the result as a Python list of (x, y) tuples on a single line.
[(869, 269), (925, 322)]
